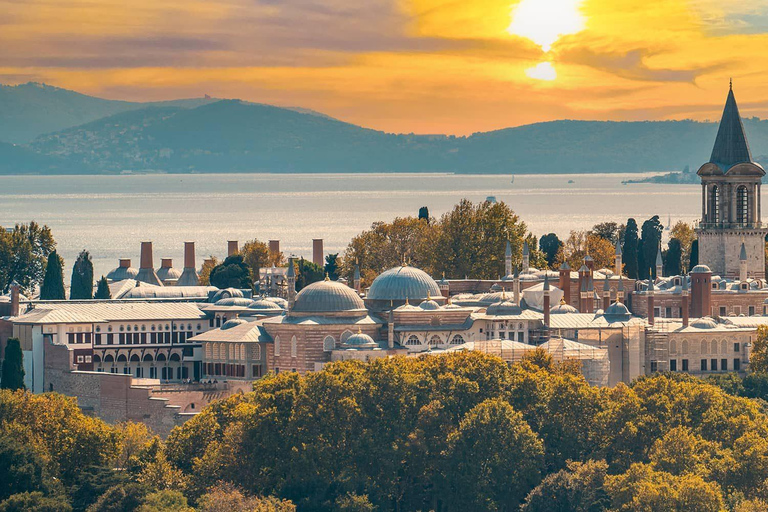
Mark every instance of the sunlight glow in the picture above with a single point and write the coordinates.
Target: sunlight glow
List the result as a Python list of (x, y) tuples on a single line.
[(545, 21), (543, 71)]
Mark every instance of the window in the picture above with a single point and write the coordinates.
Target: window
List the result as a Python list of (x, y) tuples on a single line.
[(724, 365), (329, 343), (742, 205), (737, 364), (88, 359), (737, 347), (457, 340), (685, 365), (714, 204), (97, 339), (751, 310), (668, 312), (79, 338), (111, 338), (723, 311), (277, 348), (435, 341), (673, 365), (345, 335), (714, 347), (713, 365), (294, 347), (672, 346), (80, 359), (412, 341), (703, 365), (657, 312)]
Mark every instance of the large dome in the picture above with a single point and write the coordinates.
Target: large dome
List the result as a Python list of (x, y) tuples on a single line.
[(402, 283), (327, 297)]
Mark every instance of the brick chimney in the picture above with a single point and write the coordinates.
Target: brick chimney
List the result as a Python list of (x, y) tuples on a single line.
[(274, 247), (146, 271), (317, 252), (232, 247), (166, 263), (189, 275), (651, 292), (565, 281), (125, 262), (15, 306), (189, 254), (146, 255)]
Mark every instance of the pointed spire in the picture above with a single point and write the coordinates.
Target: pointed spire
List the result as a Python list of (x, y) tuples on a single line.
[(291, 270), (618, 247), (731, 146), (546, 281), (685, 283), (526, 251), (565, 266), (743, 253), (659, 259), (509, 249)]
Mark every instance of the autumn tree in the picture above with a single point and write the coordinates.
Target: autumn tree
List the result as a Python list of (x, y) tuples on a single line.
[(577, 488), (204, 277), (684, 233), (579, 244), (256, 256), (758, 357)]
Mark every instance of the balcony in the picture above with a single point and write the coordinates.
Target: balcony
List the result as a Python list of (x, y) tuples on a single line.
[(729, 225)]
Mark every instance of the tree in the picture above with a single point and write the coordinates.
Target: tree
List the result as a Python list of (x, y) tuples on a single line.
[(550, 245), (53, 282), (13, 366), (758, 358), (332, 266), (228, 498), (673, 258), (683, 232), (204, 277), (493, 458), (424, 214), (694, 258), (256, 256), (82, 278), (21, 467), (629, 249), (23, 254), (578, 488), (232, 273), (579, 244), (651, 235), (34, 502), (607, 230), (307, 273), (165, 501), (102, 290), (121, 498)]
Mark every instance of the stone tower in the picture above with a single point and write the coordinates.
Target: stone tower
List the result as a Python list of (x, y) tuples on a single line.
[(730, 201)]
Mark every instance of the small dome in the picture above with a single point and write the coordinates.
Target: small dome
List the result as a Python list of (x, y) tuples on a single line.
[(166, 273), (402, 283), (122, 273), (705, 322), (235, 301), (504, 308), (429, 305), (226, 293), (562, 309), (701, 269), (232, 323), (264, 305), (617, 309), (327, 297), (360, 340), (765, 301)]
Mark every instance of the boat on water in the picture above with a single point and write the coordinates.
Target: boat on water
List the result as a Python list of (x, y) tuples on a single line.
[(513, 179), (491, 199), (571, 181)]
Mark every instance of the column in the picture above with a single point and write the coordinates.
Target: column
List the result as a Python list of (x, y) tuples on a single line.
[(731, 203), (759, 218), (703, 203)]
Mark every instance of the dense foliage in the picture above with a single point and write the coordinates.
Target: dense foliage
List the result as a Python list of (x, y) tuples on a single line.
[(13, 366), (81, 286), (233, 272), (102, 290), (23, 254), (53, 282)]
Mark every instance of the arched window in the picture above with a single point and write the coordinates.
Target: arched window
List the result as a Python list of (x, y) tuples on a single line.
[(672, 346), (135, 358), (148, 358), (329, 343), (723, 347), (294, 347), (714, 205), (685, 346), (704, 347), (208, 351), (457, 340), (412, 341), (345, 335), (256, 351), (435, 340), (742, 205), (714, 347), (277, 345)]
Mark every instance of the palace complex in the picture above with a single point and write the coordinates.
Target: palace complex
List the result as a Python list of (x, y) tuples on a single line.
[(164, 346)]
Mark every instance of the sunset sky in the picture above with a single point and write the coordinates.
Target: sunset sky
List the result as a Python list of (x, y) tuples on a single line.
[(425, 66)]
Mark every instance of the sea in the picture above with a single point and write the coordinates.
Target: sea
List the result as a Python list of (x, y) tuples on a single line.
[(110, 215)]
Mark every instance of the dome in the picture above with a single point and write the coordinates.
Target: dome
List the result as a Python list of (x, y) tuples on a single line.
[(507, 308), (278, 300), (166, 273), (226, 293), (562, 309), (360, 340), (701, 269), (705, 322), (327, 297), (402, 283), (429, 305), (235, 301), (264, 305), (122, 273), (492, 298), (233, 323), (617, 309)]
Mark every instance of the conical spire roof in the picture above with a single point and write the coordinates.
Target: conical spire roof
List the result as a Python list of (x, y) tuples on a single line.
[(731, 145)]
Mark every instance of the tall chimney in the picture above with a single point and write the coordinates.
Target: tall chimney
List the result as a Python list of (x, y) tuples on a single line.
[(317, 252), (565, 281), (189, 275), (546, 303), (125, 262), (684, 306), (619, 265), (166, 262), (146, 272), (232, 247), (274, 247), (15, 306), (701, 291), (650, 292)]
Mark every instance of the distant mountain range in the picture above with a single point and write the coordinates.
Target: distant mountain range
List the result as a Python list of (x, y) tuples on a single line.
[(61, 131)]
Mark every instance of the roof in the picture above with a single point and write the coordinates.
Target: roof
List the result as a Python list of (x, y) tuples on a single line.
[(322, 320), (327, 297), (247, 332), (731, 146), (65, 312), (589, 321), (402, 283)]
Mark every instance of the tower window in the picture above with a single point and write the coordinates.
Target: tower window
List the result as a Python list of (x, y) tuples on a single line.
[(742, 205), (715, 204)]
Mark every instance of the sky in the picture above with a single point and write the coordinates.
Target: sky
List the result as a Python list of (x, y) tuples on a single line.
[(423, 66)]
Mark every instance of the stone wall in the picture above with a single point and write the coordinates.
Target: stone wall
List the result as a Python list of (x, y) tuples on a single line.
[(734, 303)]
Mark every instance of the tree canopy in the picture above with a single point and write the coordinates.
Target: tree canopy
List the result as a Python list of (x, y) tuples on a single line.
[(53, 282), (82, 277), (23, 254), (102, 290), (233, 272), (13, 366)]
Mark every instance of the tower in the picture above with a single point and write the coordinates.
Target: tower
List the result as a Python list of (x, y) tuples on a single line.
[(565, 281), (684, 312), (606, 292), (659, 264), (516, 287), (651, 310), (357, 278), (526, 257), (730, 201), (290, 276), (546, 302), (619, 265), (743, 267), (508, 259), (701, 291)]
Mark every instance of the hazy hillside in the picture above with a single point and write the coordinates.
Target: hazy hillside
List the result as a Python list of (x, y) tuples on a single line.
[(20, 160), (209, 135)]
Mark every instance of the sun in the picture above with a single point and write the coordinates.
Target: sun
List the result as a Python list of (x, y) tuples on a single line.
[(546, 21)]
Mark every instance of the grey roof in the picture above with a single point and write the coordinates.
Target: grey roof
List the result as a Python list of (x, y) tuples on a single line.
[(731, 145), (327, 297), (565, 266), (363, 319), (225, 294), (506, 308), (402, 283), (166, 273), (122, 273), (743, 253), (619, 310), (701, 269), (242, 332), (360, 340), (235, 301), (546, 282), (106, 311), (188, 277), (233, 322), (291, 272), (167, 292), (264, 305), (148, 275), (659, 260)]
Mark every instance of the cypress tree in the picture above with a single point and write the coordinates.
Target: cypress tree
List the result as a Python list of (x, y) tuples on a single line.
[(629, 249), (53, 282), (13, 366), (82, 278), (651, 235), (694, 260), (102, 292), (674, 258)]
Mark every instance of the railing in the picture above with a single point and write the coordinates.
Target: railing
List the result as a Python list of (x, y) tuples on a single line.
[(729, 225)]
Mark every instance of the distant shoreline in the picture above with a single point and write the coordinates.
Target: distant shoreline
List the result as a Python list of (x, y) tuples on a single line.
[(648, 174)]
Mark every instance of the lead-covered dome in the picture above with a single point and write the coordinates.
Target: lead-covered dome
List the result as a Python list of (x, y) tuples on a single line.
[(327, 297), (402, 283), (234, 322), (360, 340)]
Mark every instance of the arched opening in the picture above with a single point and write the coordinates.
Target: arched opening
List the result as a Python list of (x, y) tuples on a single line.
[(148, 358), (457, 340), (135, 358), (121, 358), (435, 341), (175, 357), (412, 341), (714, 204), (161, 357), (742, 205), (329, 343), (108, 358), (96, 358)]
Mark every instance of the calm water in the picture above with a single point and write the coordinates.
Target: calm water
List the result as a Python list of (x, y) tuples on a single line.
[(110, 215)]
